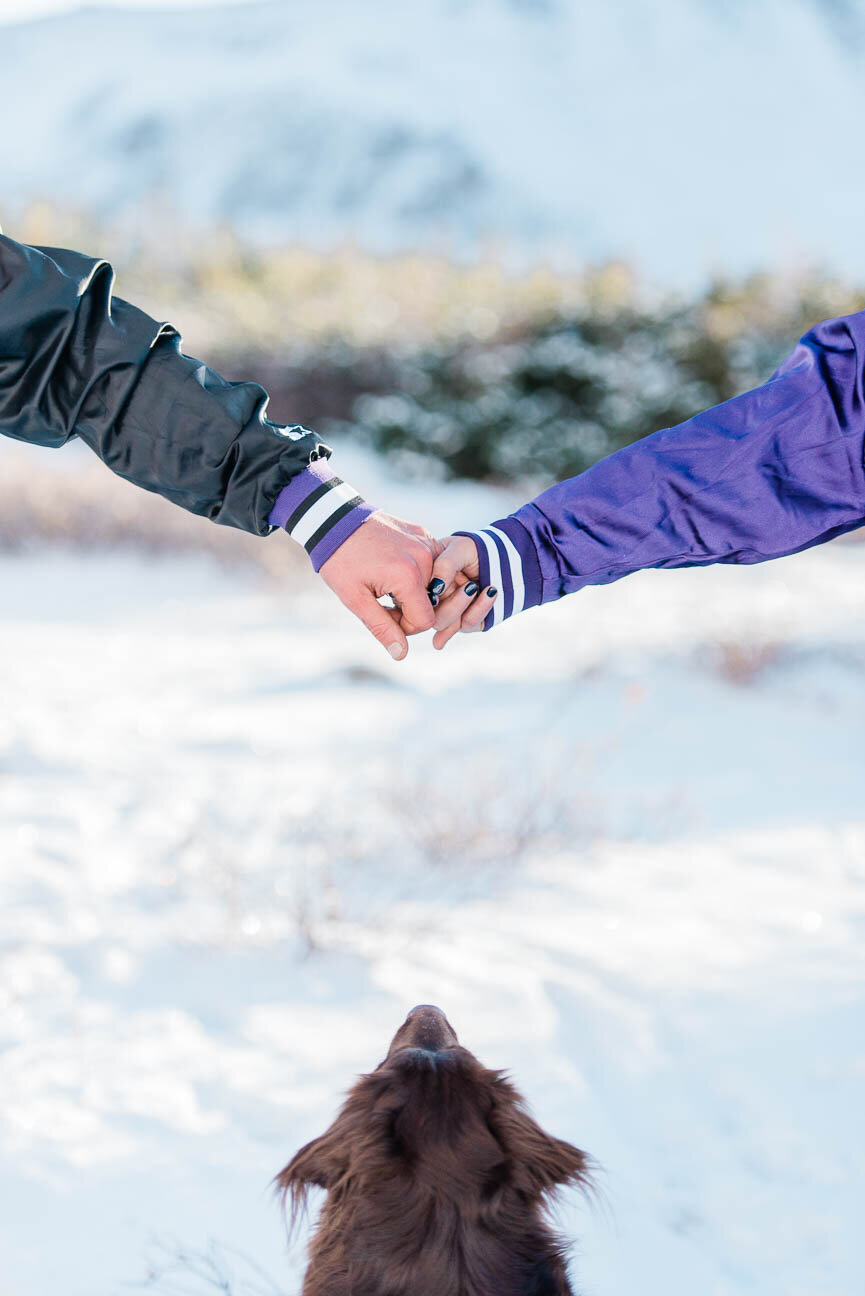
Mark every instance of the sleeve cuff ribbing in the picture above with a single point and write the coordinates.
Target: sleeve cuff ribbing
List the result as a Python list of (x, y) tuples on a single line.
[(509, 562), (319, 510)]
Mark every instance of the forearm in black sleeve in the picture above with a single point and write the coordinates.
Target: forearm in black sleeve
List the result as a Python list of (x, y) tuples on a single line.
[(77, 361)]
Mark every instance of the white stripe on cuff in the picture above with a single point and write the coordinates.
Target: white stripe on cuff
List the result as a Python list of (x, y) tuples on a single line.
[(495, 574), (324, 508), (516, 566)]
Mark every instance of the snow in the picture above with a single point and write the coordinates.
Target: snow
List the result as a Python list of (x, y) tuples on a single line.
[(688, 138), (620, 841)]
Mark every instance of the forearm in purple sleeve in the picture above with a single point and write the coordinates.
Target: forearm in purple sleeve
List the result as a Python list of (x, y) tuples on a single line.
[(769, 473)]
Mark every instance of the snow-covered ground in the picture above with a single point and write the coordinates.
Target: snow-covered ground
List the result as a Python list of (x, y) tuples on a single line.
[(621, 841)]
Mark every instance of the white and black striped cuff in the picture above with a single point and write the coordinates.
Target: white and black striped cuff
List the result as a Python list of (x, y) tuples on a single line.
[(319, 510)]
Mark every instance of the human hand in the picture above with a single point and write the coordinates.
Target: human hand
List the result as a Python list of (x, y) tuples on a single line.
[(386, 555), (461, 605)]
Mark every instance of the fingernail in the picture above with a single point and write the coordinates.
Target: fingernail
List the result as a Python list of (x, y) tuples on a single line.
[(436, 586), (433, 598), (471, 589), (492, 592), (396, 651)]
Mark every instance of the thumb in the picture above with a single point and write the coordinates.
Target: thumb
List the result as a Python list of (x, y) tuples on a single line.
[(459, 555), (381, 623)]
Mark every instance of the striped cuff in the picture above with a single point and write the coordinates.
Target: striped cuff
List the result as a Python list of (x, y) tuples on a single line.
[(509, 562), (319, 510)]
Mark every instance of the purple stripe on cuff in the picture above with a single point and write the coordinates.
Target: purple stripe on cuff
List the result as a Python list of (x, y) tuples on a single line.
[(483, 569), (522, 542), (298, 489), (339, 533)]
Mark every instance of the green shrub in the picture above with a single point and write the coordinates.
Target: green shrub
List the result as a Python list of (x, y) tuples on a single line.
[(456, 370), (549, 401)]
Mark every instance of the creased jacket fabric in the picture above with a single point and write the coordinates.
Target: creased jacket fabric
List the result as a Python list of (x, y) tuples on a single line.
[(76, 361), (769, 473)]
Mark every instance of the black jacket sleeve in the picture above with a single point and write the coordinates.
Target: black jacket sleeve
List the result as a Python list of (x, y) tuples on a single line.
[(77, 361)]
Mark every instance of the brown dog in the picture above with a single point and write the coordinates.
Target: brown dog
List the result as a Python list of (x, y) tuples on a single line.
[(436, 1179)]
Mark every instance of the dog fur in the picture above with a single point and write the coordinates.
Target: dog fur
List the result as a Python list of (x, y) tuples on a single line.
[(437, 1179)]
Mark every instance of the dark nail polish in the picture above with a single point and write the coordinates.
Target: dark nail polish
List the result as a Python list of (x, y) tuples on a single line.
[(492, 592), (436, 586), (433, 598), (471, 589)]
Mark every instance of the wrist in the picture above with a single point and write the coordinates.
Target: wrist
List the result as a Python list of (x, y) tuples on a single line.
[(320, 511)]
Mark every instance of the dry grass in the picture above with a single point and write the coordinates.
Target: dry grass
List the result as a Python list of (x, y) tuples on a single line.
[(227, 296), (91, 509), (742, 663), (174, 1270), (508, 816), (404, 838), (230, 297)]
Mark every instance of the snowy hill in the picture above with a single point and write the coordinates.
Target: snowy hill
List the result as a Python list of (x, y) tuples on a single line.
[(686, 136)]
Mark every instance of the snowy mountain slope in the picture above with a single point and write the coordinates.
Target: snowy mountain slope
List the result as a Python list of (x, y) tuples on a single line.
[(686, 135)]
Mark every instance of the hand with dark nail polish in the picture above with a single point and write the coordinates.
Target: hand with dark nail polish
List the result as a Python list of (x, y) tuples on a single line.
[(465, 604)]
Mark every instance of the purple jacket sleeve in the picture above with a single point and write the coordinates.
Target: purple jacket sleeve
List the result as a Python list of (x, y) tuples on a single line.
[(766, 474)]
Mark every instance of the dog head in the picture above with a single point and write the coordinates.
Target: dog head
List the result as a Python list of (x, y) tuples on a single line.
[(430, 1123)]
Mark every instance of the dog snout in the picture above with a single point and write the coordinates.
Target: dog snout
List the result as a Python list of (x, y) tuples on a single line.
[(427, 1027)]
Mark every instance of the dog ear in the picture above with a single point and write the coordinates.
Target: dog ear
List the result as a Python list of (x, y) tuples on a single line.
[(320, 1164), (537, 1162)]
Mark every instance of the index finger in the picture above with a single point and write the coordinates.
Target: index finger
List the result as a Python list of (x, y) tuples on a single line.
[(457, 563)]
